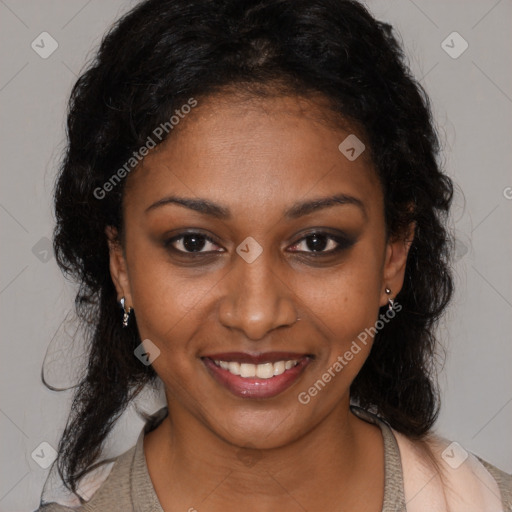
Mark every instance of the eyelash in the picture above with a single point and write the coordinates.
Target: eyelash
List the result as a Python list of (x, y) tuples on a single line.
[(342, 243)]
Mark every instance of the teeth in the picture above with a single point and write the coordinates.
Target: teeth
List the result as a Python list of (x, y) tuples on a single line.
[(265, 371), (233, 368), (279, 367), (288, 365), (247, 370), (261, 371)]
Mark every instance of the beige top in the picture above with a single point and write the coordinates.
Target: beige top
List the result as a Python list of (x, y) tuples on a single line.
[(128, 486)]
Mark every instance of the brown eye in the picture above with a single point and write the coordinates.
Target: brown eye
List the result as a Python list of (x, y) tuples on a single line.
[(321, 243), (190, 243)]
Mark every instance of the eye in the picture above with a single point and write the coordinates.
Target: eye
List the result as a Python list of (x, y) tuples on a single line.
[(321, 243), (317, 243), (189, 243)]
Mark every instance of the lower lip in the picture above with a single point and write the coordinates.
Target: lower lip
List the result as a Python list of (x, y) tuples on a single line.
[(252, 387)]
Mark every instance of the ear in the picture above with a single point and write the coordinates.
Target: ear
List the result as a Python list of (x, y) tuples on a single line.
[(397, 250), (118, 268)]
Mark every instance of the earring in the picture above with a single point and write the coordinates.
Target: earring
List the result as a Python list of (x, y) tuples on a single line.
[(126, 312), (391, 302)]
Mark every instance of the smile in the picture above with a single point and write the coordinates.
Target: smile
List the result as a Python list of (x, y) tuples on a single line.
[(261, 371), (262, 376)]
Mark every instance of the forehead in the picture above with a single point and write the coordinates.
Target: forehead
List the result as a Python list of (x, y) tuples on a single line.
[(255, 152)]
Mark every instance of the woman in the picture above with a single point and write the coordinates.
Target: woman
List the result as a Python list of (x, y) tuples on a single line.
[(252, 205)]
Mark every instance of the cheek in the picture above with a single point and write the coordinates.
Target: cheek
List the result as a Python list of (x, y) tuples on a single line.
[(163, 301), (346, 306), (167, 300), (346, 299)]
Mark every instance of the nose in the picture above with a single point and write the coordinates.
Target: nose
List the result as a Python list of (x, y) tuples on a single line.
[(257, 299)]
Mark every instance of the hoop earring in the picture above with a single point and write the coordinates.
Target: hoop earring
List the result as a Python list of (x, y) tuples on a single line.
[(391, 302), (126, 312)]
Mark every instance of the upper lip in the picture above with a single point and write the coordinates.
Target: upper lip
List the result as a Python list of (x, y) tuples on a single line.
[(265, 357)]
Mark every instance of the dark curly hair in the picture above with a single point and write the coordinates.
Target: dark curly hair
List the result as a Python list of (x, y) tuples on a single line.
[(164, 52)]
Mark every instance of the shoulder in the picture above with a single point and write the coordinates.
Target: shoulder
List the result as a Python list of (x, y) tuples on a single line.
[(504, 481), (442, 475), (55, 507), (121, 484), (102, 490)]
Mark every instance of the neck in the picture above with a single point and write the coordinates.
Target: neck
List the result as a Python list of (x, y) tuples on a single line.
[(188, 459)]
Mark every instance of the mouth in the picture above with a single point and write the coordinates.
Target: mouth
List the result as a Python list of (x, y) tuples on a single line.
[(257, 376)]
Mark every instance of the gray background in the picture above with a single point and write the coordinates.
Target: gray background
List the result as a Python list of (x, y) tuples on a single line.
[(472, 99)]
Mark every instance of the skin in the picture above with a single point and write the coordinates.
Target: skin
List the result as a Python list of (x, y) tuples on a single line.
[(257, 158)]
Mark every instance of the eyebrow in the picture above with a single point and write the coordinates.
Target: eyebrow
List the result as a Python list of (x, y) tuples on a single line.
[(297, 210)]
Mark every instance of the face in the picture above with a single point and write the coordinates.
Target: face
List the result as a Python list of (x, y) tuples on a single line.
[(246, 219)]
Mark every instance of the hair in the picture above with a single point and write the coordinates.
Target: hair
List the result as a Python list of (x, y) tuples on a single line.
[(151, 62)]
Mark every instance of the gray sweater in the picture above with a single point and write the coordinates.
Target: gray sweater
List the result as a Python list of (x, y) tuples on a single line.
[(128, 486)]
